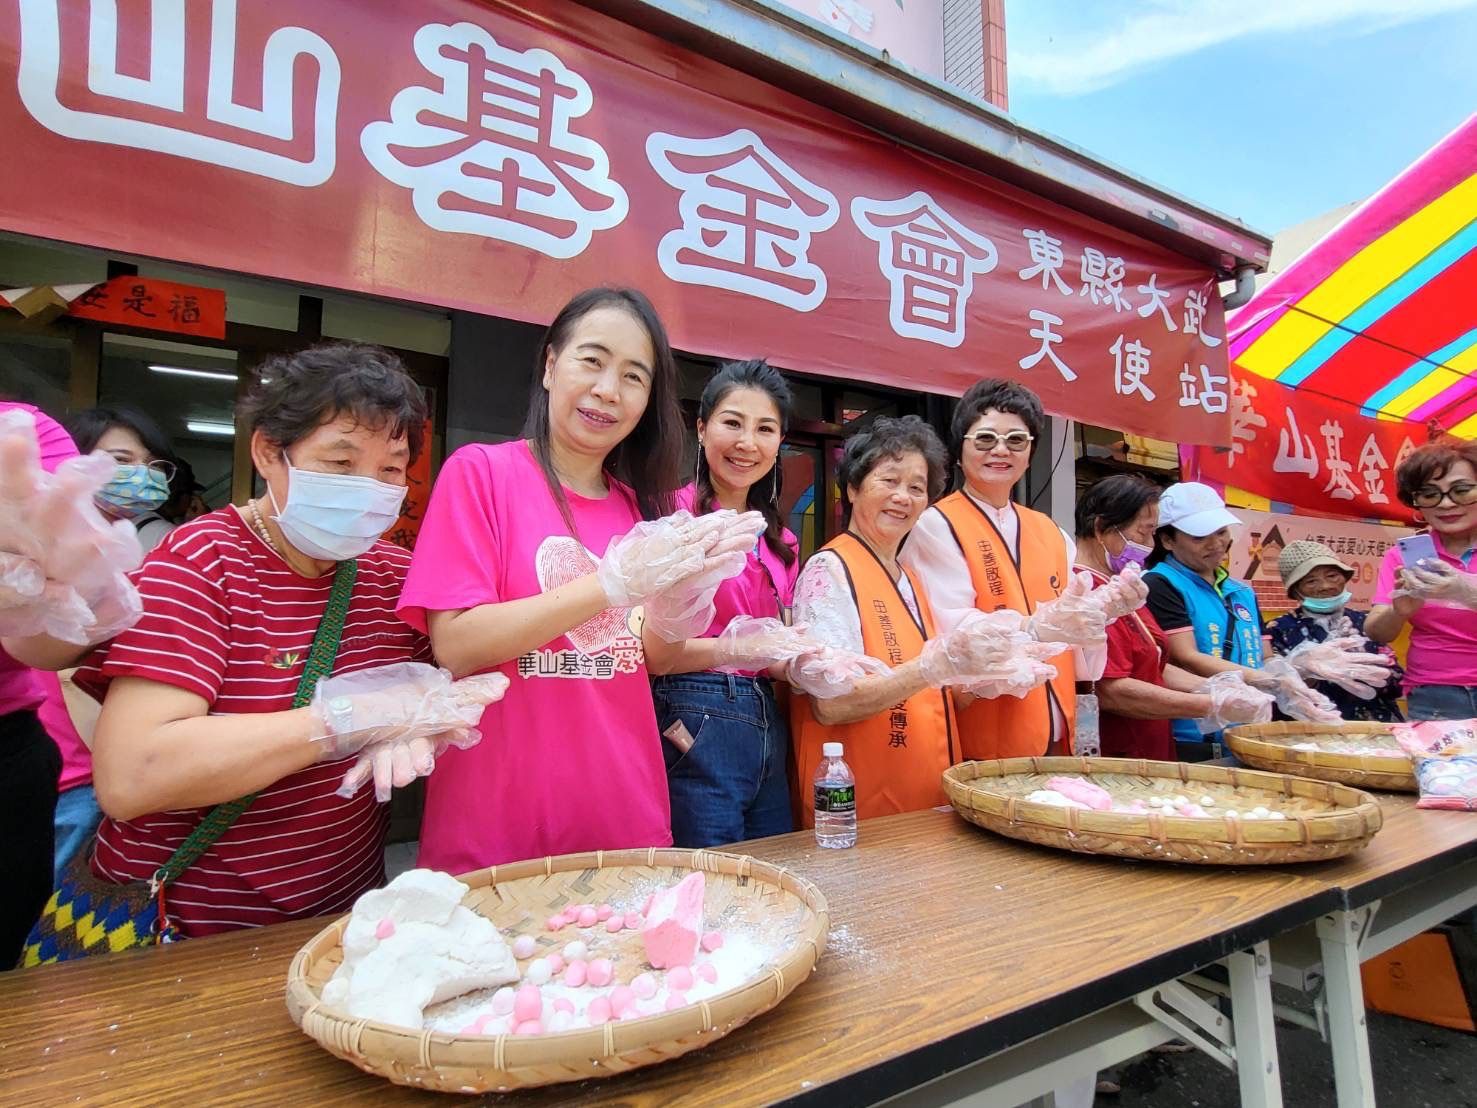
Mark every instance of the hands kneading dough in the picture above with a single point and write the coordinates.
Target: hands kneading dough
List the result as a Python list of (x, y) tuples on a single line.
[(1344, 662), (1294, 697), (63, 565), (1232, 700), (990, 653), (399, 718)]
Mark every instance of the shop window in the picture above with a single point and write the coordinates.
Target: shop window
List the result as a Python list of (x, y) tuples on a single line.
[(36, 369), (190, 391)]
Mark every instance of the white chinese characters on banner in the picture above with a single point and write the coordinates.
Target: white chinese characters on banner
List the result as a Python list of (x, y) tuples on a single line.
[(491, 151), (930, 261), (1102, 279), (1295, 450), (1048, 340), (1339, 486), (1245, 419), (229, 134), (1372, 467), (1130, 368), (1158, 302), (1047, 260), (1196, 305), (747, 218), (1207, 390)]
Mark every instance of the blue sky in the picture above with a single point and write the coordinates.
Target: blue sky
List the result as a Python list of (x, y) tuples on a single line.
[(1273, 111)]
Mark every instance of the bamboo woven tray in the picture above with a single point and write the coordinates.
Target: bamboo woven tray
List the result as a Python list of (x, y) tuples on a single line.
[(1324, 820), (1269, 746), (789, 911)]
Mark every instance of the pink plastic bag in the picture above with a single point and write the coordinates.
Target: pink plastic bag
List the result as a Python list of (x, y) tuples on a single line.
[(1444, 752)]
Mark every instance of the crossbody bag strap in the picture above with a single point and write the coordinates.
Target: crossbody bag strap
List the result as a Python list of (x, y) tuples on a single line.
[(319, 665)]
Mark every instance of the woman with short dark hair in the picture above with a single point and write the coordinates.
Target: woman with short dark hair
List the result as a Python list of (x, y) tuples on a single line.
[(854, 595), (1436, 598), (146, 467), (1141, 691)]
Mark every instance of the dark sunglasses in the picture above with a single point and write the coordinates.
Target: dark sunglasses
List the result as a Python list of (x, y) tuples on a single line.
[(1462, 493)]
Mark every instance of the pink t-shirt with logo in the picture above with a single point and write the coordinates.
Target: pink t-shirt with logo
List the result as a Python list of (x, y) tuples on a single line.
[(764, 587), (1443, 638), (570, 759)]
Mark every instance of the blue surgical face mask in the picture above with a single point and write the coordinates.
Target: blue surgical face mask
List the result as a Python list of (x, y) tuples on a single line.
[(1327, 605), (135, 490), (334, 516)]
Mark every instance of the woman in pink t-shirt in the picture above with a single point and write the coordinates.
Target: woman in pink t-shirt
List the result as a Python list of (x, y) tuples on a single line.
[(728, 745), (1438, 599), (513, 569)]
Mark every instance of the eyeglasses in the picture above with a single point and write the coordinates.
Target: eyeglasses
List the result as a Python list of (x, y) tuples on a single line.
[(1015, 441), (1462, 493), (158, 465)]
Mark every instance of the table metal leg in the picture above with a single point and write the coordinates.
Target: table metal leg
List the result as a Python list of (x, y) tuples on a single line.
[(1256, 1031), (1339, 936)]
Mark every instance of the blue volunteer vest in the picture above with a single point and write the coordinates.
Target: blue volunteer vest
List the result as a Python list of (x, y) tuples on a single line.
[(1221, 614)]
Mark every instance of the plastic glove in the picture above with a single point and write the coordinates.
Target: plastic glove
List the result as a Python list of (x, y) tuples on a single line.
[(657, 554), (63, 565), (1344, 662), (399, 718), (748, 643), (1294, 697), (1433, 580), (1123, 593), (1074, 618), (990, 653), (684, 608), (1232, 700), (830, 672)]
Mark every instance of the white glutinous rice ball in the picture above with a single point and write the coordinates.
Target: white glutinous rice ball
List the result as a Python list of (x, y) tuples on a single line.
[(538, 972), (1181, 801), (1156, 802), (524, 946), (1207, 801), (1232, 813), (576, 950), (1274, 814)]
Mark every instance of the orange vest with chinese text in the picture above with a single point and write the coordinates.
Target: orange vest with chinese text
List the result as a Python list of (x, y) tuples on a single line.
[(898, 755), (1007, 727)]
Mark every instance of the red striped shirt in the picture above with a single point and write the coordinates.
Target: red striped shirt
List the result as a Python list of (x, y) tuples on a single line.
[(227, 619)]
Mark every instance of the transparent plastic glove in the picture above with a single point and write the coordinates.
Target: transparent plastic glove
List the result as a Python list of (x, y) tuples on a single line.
[(1234, 701), (980, 647), (748, 643), (1433, 580), (657, 554), (685, 608), (63, 565), (1123, 593), (1294, 697), (830, 672), (1344, 662), (399, 701), (1026, 674), (1074, 618)]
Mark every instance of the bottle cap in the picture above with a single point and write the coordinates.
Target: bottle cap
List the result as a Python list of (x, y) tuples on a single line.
[(831, 750)]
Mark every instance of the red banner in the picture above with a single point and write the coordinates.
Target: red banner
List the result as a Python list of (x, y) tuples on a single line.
[(1299, 448), (488, 157), (157, 305)]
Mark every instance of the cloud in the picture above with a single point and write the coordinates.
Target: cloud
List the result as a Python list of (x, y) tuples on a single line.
[(1087, 57)]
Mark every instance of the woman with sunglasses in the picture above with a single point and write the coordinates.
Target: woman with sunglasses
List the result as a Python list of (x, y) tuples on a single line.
[(1437, 598), (979, 551), (727, 745), (146, 467)]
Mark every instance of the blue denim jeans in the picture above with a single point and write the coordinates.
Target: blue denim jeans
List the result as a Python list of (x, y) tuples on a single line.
[(732, 784), (77, 817), (1443, 702)]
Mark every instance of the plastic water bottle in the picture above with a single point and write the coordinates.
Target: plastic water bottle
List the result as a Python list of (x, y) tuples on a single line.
[(1086, 742), (835, 800)]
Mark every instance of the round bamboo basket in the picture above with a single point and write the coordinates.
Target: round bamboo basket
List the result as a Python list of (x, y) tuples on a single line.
[(787, 910), (1324, 820), (1269, 746)]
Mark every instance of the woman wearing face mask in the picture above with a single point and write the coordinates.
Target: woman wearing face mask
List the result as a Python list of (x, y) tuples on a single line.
[(1141, 690), (1319, 582), (979, 551), (146, 466), (1437, 598), (1211, 619), (199, 707), (530, 560), (728, 747)]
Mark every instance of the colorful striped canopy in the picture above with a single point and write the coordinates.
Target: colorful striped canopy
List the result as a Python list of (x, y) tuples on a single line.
[(1382, 311)]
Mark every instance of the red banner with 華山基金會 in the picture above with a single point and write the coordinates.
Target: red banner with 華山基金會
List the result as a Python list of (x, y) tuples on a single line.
[(497, 158)]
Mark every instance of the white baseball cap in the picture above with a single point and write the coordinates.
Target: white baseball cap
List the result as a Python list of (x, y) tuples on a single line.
[(1195, 509)]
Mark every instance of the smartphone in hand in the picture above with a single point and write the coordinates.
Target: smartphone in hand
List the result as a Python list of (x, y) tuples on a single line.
[(1416, 548)]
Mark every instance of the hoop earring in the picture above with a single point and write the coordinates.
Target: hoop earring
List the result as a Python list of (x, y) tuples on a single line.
[(774, 484)]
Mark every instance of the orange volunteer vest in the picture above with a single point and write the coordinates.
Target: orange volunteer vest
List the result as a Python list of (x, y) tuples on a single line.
[(898, 755), (1007, 727)]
